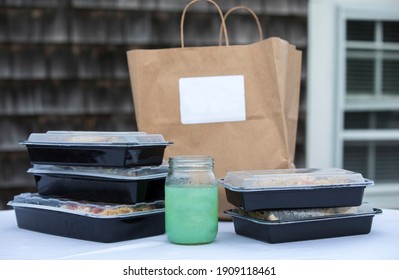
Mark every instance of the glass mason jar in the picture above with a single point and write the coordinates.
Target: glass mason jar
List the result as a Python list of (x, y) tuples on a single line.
[(191, 200)]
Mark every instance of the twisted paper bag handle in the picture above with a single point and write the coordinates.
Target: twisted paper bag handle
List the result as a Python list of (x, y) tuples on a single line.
[(222, 30), (222, 27)]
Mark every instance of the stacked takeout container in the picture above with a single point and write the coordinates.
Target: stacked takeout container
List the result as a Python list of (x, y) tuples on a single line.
[(99, 186), (298, 204)]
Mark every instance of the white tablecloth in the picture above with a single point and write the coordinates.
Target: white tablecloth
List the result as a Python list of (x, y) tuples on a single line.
[(381, 243)]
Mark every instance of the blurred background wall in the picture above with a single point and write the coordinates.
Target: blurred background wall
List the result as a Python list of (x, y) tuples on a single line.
[(63, 63)]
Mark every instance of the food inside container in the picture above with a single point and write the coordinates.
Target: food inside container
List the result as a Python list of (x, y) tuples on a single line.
[(294, 188), (258, 179), (107, 211), (81, 132), (304, 214), (96, 148), (115, 185), (102, 222), (98, 210), (134, 173), (297, 225)]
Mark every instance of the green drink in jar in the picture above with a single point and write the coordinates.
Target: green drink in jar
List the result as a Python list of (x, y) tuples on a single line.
[(191, 201)]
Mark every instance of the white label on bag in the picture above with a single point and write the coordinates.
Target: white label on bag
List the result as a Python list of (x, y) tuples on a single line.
[(212, 99)]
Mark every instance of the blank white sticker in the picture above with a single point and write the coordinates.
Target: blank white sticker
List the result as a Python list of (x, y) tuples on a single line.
[(212, 99)]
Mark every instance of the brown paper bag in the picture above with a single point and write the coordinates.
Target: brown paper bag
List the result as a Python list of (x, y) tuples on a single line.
[(260, 140), (288, 95)]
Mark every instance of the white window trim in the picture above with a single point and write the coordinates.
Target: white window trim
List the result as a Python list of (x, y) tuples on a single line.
[(325, 87)]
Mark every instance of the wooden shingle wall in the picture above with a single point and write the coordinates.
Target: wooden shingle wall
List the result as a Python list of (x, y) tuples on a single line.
[(63, 63)]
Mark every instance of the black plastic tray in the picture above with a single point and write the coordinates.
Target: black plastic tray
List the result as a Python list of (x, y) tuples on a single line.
[(278, 232), (110, 155), (101, 189), (89, 227), (297, 197)]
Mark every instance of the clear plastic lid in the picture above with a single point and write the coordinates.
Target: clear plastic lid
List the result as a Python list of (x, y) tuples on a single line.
[(95, 138), (301, 177), (97, 210), (96, 132), (305, 214), (137, 173)]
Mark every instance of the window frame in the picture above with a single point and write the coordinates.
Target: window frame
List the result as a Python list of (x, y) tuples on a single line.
[(326, 104)]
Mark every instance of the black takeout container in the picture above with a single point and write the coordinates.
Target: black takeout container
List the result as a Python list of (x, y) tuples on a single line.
[(114, 185), (302, 229), (86, 221), (294, 188), (96, 149)]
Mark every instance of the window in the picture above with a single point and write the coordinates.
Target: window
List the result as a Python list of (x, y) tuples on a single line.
[(353, 92), (371, 102)]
